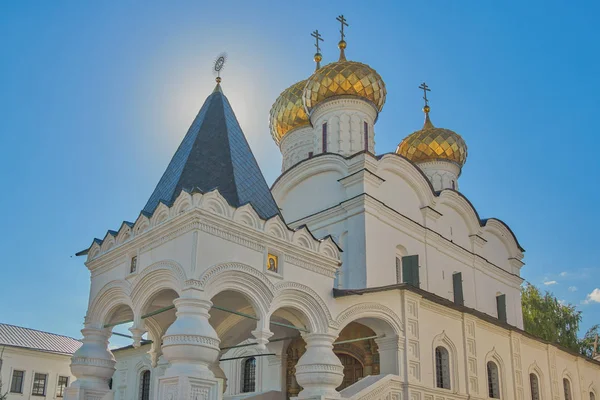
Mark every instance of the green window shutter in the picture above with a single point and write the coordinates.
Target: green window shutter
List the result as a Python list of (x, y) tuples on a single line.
[(501, 304), (410, 270), (458, 289)]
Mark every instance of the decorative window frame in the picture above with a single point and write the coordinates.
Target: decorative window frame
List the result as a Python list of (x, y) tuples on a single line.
[(495, 357), (567, 375), (442, 340), (536, 370), (280, 263)]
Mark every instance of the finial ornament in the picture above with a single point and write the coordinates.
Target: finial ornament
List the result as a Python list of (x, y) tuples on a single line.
[(219, 65), (318, 56), (342, 43), (426, 108)]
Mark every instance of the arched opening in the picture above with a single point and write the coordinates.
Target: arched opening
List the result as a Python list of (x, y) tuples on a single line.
[(534, 384), (442, 367), (493, 376), (234, 317), (567, 389), (144, 393), (355, 347), (592, 396)]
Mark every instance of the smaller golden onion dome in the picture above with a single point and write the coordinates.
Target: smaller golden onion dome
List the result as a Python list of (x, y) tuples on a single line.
[(344, 78), (288, 112), (431, 144)]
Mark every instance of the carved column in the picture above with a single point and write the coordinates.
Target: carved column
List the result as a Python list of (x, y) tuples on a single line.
[(92, 365), (191, 346), (319, 371)]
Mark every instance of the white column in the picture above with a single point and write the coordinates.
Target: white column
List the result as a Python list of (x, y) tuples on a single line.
[(191, 346), (390, 355), (92, 365), (319, 371)]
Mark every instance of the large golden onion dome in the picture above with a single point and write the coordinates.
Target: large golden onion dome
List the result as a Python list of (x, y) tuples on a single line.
[(431, 144), (288, 112), (344, 78)]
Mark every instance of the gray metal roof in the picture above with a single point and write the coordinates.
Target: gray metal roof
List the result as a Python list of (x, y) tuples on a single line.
[(214, 154), (17, 336)]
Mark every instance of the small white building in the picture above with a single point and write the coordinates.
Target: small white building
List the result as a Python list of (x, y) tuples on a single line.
[(35, 364)]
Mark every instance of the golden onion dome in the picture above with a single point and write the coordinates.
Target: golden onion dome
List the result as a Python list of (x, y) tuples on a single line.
[(344, 78), (288, 112), (431, 144)]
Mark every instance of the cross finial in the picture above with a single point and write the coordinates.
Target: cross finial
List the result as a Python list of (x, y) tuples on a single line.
[(342, 43), (318, 39), (343, 22), (425, 89), (318, 56)]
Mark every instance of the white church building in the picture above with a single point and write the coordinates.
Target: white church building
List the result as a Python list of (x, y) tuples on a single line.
[(356, 275)]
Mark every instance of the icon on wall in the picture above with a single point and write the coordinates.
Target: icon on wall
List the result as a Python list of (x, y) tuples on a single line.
[(272, 262)]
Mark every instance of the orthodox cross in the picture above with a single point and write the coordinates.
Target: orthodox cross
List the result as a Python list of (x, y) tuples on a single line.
[(318, 39), (342, 21), (425, 89)]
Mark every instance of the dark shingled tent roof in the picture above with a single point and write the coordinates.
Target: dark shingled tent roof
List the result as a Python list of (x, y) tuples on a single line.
[(214, 154)]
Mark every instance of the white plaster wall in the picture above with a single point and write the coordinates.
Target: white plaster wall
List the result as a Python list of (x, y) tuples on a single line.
[(296, 145), (31, 361), (448, 237)]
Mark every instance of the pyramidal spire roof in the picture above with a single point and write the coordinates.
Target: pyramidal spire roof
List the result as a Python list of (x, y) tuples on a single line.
[(214, 154)]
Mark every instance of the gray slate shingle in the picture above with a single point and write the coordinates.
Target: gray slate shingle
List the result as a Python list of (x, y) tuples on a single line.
[(214, 154)]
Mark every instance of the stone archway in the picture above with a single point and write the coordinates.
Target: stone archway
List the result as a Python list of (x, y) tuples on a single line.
[(359, 358)]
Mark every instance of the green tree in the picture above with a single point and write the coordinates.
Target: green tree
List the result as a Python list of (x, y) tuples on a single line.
[(587, 343), (545, 317)]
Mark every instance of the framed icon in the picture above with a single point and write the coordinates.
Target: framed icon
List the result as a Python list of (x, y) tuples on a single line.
[(272, 262)]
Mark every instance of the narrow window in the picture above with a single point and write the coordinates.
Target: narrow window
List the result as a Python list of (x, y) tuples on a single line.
[(501, 307), (410, 270), (567, 387), (592, 396), (133, 265), (16, 385), (458, 288), (366, 136), (398, 270), (145, 385), (110, 383), (535, 387), (442, 368), (453, 185), (493, 380), (39, 385), (63, 382), (325, 137), (310, 154), (248, 375)]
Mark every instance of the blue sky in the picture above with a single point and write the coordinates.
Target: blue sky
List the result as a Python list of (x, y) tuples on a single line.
[(94, 100)]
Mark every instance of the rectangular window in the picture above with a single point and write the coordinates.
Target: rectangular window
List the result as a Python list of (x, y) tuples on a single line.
[(366, 136), (458, 288), (501, 305), (133, 266), (410, 270), (310, 154), (63, 382), (398, 270), (16, 385), (39, 384), (325, 137)]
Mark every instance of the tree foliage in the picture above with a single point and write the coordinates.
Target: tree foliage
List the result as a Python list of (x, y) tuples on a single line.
[(545, 317)]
